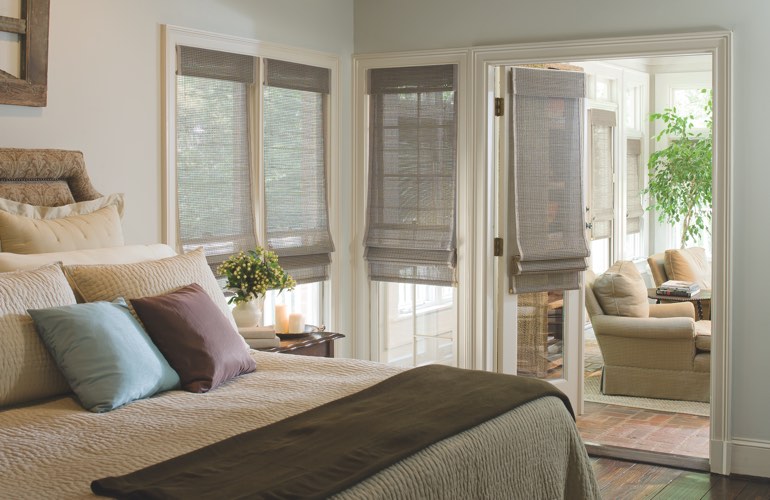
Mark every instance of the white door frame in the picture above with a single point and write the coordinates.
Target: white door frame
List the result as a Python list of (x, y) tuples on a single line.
[(718, 44)]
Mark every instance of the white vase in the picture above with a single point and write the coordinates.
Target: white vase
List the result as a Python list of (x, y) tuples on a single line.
[(248, 314)]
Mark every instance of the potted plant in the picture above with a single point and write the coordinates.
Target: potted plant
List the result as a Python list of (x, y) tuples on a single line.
[(680, 174), (249, 276)]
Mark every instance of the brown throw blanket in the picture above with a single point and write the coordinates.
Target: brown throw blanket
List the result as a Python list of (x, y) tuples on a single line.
[(334, 446)]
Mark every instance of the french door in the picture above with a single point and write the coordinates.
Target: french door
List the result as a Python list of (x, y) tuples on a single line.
[(537, 334)]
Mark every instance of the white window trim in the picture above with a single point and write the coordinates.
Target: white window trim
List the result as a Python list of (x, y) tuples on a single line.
[(171, 36), (367, 346)]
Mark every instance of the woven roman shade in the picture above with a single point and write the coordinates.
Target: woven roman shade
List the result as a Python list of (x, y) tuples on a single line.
[(634, 210), (215, 186), (295, 161), (410, 232), (545, 200), (602, 124)]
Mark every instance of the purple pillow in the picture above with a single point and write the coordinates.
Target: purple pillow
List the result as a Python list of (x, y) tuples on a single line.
[(195, 337)]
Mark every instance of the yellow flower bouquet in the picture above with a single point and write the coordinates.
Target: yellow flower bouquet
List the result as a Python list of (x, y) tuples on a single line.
[(252, 273)]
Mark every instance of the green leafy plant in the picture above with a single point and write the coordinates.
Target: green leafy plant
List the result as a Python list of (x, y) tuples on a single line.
[(251, 274), (680, 174)]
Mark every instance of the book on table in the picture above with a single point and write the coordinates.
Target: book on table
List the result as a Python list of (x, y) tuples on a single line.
[(264, 343), (678, 288)]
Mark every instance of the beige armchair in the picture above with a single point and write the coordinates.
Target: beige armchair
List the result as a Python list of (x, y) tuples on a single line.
[(688, 264), (649, 350)]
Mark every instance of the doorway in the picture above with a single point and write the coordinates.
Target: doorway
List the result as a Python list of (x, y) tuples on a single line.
[(717, 50)]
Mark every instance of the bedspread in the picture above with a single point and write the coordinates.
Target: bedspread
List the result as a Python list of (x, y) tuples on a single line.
[(54, 449)]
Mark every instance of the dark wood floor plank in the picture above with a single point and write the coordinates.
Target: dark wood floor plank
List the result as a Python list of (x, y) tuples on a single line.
[(625, 480), (644, 481), (724, 488), (755, 491), (686, 485)]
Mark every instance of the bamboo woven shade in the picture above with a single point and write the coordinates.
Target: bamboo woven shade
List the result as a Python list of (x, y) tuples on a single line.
[(545, 200)]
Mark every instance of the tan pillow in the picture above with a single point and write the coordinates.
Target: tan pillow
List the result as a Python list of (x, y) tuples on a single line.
[(146, 279), (688, 264), (27, 370), (29, 229), (621, 291)]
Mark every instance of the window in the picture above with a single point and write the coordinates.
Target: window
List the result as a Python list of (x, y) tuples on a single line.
[(410, 234), (251, 159), (602, 186), (215, 188)]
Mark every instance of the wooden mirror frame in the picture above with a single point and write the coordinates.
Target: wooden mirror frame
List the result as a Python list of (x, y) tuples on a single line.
[(31, 89)]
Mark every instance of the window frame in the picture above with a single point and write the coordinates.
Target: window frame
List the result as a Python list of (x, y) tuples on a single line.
[(171, 36), (368, 293)]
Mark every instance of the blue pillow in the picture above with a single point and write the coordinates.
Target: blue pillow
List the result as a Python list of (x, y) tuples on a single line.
[(104, 353)]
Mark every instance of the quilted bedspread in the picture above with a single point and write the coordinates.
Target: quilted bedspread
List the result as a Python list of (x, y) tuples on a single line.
[(55, 449)]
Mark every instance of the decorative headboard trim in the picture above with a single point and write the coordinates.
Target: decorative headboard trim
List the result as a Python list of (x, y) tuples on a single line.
[(20, 166)]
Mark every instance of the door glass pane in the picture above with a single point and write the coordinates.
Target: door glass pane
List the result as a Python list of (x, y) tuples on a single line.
[(601, 253), (540, 342), (418, 324)]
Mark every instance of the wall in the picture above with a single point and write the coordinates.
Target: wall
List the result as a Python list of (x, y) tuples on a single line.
[(425, 24), (104, 87)]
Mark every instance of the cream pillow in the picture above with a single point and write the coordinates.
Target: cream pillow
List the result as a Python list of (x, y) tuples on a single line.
[(146, 279), (27, 370), (621, 291), (29, 229), (688, 264), (111, 255)]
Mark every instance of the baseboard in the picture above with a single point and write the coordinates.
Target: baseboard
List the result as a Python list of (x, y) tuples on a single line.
[(648, 457), (750, 458)]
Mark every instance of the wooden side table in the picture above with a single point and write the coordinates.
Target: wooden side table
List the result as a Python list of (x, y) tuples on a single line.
[(696, 299), (319, 344)]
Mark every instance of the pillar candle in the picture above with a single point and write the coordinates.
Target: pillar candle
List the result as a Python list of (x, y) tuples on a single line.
[(281, 318), (296, 323)]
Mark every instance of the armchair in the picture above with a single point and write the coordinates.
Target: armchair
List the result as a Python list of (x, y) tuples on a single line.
[(688, 264), (649, 350)]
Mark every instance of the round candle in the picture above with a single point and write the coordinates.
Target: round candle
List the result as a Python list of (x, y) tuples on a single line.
[(281, 318), (296, 323)]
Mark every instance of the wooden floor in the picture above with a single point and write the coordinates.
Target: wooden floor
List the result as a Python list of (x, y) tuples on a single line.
[(628, 480)]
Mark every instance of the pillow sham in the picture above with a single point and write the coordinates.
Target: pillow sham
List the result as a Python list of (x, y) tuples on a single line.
[(27, 370), (57, 212), (144, 279), (195, 337), (29, 229), (103, 352)]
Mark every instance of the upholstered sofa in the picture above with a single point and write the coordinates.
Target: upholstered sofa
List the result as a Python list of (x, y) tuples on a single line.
[(649, 350)]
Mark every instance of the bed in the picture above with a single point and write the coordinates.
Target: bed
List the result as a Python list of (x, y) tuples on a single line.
[(53, 447)]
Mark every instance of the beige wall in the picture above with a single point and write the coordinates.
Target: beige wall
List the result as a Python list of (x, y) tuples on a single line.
[(104, 83), (397, 25)]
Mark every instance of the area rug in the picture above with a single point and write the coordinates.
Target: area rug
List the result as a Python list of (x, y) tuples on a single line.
[(592, 393)]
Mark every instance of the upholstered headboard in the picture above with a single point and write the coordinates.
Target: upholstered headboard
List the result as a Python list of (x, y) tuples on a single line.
[(44, 177)]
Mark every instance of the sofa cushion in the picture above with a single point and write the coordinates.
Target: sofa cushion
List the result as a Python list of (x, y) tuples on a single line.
[(688, 264), (621, 291), (703, 335), (27, 370)]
